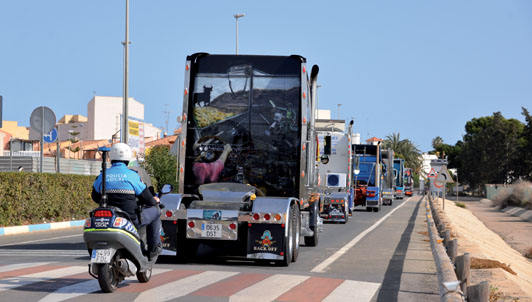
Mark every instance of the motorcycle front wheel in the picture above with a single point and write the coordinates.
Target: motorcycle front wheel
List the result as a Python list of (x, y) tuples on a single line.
[(144, 277), (107, 278)]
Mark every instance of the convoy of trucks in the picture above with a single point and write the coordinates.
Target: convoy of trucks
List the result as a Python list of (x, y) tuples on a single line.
[(256, 170)]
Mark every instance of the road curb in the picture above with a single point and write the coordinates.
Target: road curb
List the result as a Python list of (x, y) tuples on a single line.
[(22, 229)]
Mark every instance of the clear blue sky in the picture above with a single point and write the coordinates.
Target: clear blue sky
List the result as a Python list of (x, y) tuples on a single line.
[(421, 68)]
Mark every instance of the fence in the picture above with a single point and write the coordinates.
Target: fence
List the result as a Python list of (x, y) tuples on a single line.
[(66, 165)]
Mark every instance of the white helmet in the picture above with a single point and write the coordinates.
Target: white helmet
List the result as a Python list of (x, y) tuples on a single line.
[(121, 152)]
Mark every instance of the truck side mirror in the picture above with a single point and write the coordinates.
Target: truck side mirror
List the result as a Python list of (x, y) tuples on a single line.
[(167, 188), (327, 147)]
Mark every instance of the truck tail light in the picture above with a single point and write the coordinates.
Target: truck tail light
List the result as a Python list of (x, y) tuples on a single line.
[(191, 224), (267, 216), (232, 226), (256, 216), (278, 217), (169, 214)]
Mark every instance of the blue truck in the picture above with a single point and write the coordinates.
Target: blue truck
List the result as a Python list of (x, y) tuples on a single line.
[(399, 172), (367, 173)]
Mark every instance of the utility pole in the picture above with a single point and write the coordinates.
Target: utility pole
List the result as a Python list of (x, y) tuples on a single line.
[(339, 105), (237, 16), (167, 113), (125, 114)]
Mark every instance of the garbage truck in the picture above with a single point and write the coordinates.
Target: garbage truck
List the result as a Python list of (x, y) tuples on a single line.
[(247, 160), (388, 181), (398, 167), (335, 185), (367, 173)]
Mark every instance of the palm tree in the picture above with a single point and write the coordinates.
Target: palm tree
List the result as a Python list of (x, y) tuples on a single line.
[(404, 149)]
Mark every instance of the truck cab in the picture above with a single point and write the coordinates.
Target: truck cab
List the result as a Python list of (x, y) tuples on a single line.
[(246, 159), (367, 172)]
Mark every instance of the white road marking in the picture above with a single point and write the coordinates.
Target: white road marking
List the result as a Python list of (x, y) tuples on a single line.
[(357, 291), (12, 267), (268, 289), (85, 287), (10, 283), (183, 286), (320, 268), (40, 240), (33, 253)]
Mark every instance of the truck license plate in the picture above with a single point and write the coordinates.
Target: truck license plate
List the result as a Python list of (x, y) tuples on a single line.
[(211, 230), (101, 256)]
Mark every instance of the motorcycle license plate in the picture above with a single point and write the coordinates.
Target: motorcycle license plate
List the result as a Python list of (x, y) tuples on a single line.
[(101, 256), (211, 230)]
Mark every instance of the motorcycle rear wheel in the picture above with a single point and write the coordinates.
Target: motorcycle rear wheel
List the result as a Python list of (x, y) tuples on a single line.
[(107, 278), (144, 277)]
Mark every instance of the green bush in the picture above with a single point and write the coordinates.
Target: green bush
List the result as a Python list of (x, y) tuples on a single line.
[(32, 198), (161, 164)]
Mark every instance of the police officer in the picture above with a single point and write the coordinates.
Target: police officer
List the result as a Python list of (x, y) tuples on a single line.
[(123, 186)]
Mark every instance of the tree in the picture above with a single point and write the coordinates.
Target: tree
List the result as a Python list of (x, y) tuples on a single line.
[(524, 161), (490, 150), (404, 149), (160, 163), (437, 141)]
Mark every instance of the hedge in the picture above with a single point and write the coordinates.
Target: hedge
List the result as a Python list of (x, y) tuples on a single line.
[(32, 198)]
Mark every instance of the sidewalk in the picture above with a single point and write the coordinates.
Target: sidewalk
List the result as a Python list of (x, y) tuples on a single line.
[(22, 229), (419, 281)]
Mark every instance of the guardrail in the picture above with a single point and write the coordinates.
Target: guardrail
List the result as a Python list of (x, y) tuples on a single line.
[(453, 271)]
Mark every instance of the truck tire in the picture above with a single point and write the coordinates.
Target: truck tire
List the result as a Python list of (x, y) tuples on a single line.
[(296, 220), (313, 240), (289, 240)]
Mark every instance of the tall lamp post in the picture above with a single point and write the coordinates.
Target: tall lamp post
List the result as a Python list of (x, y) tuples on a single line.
[(126, 78), (237, 16)]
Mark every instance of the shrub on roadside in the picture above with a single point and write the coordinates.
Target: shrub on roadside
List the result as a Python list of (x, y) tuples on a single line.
[(32, 198), (460, 204), (519, 194)]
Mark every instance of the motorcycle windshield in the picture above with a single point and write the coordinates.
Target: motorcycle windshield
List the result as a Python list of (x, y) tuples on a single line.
[(256, 113)]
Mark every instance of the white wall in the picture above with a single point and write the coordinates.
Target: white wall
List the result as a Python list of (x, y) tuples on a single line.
[(104, 115)]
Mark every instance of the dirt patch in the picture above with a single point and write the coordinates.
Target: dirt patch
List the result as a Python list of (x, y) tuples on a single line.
[(528, 253), (478, 263), (423, 233), (483, 243)]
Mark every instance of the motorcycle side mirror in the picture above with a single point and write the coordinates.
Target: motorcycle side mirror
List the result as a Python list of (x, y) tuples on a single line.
[(167, 188), (324, 159)]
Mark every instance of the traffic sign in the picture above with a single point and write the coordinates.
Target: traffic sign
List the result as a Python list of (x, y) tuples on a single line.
[(432, 173), (444, 176), (51, 137), (42, 119)]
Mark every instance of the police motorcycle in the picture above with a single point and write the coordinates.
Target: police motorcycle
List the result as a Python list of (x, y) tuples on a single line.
[(117, 249)]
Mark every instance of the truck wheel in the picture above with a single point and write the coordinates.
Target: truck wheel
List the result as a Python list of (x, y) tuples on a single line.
[(289, 240), (368, 209), (376, 209), (313, 240), (296, 220)]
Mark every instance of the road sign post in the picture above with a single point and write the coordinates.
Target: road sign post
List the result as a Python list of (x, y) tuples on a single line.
[(441, 180), (42, 120)]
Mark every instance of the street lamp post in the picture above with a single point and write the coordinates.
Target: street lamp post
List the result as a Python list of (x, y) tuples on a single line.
[(126, 79), (237, 16)]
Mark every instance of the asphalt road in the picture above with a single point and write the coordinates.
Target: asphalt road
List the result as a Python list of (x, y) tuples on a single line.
[(382, 256)]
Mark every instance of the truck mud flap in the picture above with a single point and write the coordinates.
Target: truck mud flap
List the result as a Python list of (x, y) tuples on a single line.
[(169, 237), (266, 241)]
